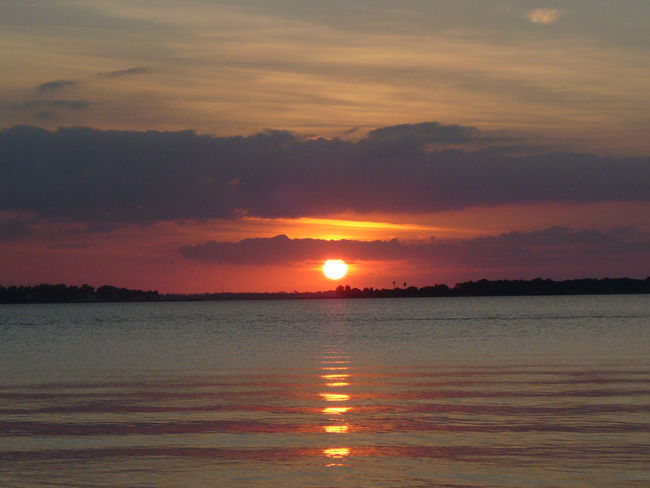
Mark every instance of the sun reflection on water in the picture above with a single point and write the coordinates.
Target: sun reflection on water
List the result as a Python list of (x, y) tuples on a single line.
[(335, 410), (337, 452), (334, 361), (334, 376), (335, 397)]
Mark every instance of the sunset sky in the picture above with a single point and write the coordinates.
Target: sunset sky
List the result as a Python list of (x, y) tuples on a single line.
[(209, 145)]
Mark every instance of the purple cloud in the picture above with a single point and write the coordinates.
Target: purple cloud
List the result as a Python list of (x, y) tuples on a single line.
[(93, 175), (554, 245)]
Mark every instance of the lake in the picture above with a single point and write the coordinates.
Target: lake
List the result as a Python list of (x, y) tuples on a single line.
[(423, 392)]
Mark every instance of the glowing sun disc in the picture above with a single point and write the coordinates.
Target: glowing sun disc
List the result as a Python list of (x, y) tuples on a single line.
[(335, 269)]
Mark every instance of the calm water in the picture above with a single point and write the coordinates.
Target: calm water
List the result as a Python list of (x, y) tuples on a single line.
[(459, 392)]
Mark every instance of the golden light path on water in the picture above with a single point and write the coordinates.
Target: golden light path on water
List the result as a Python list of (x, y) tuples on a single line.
[(335, 410), (337, 421)]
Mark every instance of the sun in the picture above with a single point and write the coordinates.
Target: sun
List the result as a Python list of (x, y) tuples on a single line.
[(335, 269)]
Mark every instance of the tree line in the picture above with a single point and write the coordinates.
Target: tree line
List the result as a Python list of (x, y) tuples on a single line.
[(61, 293), (45, 293), (537, 286), (483, 287)]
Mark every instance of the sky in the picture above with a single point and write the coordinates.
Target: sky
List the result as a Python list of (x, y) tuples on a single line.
[(212, 145)]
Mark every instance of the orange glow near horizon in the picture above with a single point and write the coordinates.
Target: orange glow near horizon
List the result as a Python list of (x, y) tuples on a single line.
[(349, 227), (71, 256)]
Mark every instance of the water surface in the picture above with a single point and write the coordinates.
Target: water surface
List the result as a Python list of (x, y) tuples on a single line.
[(425, 392)]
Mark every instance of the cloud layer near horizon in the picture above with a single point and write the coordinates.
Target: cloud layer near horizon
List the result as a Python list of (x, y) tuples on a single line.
[(557, 244), (90, 175)]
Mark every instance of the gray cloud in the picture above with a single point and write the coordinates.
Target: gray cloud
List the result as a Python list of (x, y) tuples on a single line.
[(555, 244), (15, 228), (117, 176), (127, 72), (52, 104), (46, 115), (283, 250), (56, 85), (428, 132)]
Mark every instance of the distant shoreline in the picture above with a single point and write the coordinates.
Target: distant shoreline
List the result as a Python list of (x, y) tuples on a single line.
[(61, 293)]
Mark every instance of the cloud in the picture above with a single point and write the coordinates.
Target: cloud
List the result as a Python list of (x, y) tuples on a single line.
[(431, 132), (408, 138), (70, 246), (14, 229), (283, 250), (56, 85), (52, 104), (544, 15), (126, 72), (559, 244), (46, 115), (126, 176)]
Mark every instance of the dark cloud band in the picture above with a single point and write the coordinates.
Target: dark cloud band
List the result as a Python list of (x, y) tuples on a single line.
[(92, 175), (557, 244)]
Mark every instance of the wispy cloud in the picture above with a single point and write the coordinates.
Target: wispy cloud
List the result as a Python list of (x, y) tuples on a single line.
[(43, 105), (544, 15), (126, 72), (56, 85), (15, 228)]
